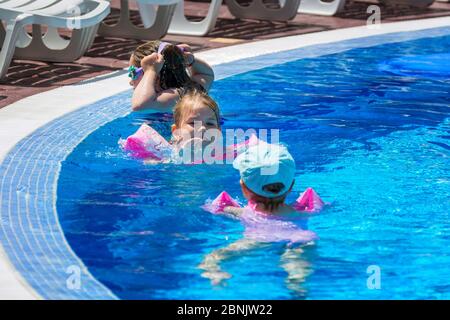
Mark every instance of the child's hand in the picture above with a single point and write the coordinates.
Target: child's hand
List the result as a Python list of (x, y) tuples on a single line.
[(187, 52), (235, 211), (185, 47), (154, 61)]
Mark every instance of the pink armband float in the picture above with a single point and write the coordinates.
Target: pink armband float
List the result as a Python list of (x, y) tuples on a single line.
[(308, 201), (218, 204), (146, 143), (234, 149)]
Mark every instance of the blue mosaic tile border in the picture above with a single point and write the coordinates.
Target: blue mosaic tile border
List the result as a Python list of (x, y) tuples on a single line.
[(29, 229), (30, 232)]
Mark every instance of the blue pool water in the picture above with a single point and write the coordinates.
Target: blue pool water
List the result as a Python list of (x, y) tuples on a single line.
[(372, 142)]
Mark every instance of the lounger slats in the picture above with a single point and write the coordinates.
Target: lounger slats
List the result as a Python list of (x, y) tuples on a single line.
[(83, 16), (258, 10), (155, 25), (58, 8)]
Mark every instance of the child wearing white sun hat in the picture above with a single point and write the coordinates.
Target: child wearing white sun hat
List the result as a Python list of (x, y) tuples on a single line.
[(267, 175)]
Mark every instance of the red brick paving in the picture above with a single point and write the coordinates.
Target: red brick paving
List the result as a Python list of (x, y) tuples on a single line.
[(25, 78)]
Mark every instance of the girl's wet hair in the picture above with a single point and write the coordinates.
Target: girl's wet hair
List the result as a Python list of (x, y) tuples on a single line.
[(173, 73), (189, 101), (269, 204)]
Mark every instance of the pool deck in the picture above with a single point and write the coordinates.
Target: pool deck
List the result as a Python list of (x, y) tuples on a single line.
[(26, 78), (75, 88)]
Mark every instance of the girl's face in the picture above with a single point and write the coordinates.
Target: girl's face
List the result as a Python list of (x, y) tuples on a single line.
[(195, 123), (200, 119)]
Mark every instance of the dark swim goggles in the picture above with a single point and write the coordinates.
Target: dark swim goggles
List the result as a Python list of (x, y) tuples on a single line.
[(134, 73)]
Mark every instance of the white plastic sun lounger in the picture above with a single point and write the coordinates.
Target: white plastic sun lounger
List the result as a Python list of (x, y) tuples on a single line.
[(156, 24), (83, 16), (181, 25), (256, 10), (259, 11), (320, 7)]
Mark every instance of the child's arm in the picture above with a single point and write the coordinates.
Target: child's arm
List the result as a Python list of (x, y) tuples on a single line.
[(145, 97), (235, 211), (201, 72)]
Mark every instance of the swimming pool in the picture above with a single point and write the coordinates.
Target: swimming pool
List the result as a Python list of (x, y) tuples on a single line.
[(373, 143)]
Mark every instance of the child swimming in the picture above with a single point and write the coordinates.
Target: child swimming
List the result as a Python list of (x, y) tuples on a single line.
[(267, 176), (159, 75), (196, 115), (196, 125), (193, 115)]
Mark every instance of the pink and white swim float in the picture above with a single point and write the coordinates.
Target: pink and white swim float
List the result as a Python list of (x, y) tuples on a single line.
[(263, 227), (146, 143)]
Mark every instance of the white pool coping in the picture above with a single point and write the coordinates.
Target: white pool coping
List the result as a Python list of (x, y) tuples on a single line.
[(18, 120)]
